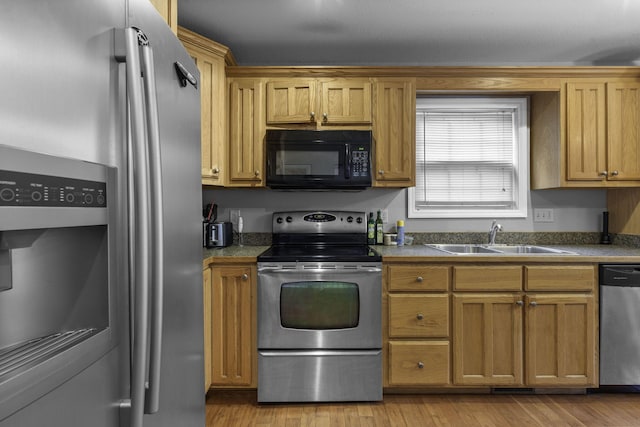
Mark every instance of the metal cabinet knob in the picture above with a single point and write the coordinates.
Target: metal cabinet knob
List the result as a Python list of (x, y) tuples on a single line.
[(257, 173), (419, 279), (533, 303), (313, 115), (614, 173), (215, 170), (325, 117), (245, 276), (420, 316), (381, 172), (520, 303), (604, 173), (420, 365)]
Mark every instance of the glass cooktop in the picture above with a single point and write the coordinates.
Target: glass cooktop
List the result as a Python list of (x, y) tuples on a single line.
[(320, 253)]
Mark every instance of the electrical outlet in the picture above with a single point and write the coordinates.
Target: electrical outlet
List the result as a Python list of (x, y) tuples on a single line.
[(384, 214), (234, 214), (543, 215)]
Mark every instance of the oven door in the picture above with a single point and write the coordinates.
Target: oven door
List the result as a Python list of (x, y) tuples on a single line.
[(319, 306)]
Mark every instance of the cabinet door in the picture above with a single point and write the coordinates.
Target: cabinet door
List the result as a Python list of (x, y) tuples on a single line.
[(208, 322), (291, 101), (487, 339), (623, 128), (246, 133), (561, 341), (234, 347), (586, 135), (345, 101), (394, 132), (209, 57)]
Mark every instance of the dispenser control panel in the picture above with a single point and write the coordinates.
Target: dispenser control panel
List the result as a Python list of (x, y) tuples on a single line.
[(27, 189)]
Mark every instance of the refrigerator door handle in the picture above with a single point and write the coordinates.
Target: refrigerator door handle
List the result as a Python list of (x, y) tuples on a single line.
[(139, 214), (157, 224)]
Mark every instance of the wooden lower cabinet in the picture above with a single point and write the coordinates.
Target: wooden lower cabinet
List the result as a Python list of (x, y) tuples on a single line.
[(511, 325), (487, 339), (234, 353), (561, 340)]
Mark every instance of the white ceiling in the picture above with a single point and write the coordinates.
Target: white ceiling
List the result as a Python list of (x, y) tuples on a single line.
[(420, 32)]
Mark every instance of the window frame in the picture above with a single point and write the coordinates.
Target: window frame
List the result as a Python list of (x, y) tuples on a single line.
[(521, 154)]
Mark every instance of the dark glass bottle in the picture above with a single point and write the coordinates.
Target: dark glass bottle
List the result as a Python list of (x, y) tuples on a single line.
[(379, 232), (371, 230)]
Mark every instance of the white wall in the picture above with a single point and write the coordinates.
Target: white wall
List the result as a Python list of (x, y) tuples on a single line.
[(574, 210)]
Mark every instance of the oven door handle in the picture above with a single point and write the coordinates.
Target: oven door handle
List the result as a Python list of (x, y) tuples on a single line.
[(357, 270)]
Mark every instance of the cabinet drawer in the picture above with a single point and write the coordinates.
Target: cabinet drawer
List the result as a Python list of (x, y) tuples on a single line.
[(418, 316), (418, 278), (560, 278), (487, 278), (418, 363)]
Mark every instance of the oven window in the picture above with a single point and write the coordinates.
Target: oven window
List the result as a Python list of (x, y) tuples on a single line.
[(291, 162), (319, 305)]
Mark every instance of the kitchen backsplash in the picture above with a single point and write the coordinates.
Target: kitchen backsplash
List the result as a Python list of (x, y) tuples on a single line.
[(527, 238), (574, 210)]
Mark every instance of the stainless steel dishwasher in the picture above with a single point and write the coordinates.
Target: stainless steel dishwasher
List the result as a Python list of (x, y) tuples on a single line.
[(619, 324)]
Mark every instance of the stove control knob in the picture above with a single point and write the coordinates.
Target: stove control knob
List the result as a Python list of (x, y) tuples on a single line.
[(289, 219), (359, 220), (279, 220), (349, 219)]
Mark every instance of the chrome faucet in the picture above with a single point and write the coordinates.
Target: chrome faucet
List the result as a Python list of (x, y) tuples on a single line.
[(495, 227)]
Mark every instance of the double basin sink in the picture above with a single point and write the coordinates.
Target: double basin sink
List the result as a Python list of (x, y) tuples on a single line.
[(469, 249)]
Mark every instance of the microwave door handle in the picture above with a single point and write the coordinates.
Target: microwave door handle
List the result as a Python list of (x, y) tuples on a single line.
[(347, 163), (139, 217), (152, 397)]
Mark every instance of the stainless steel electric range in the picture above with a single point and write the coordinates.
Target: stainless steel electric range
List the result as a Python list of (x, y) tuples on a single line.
[(319, 310)]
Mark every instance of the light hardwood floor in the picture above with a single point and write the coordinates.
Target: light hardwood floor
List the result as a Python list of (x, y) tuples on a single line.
[(239, 408)]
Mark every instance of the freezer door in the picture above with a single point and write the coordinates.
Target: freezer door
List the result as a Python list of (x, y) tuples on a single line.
[(61, 95)]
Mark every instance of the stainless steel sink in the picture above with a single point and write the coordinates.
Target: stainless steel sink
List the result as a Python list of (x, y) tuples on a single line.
[(464, 249), (530, 249)]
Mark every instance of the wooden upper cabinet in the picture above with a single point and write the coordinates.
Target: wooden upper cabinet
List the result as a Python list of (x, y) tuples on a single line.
[(291, 101), (319, 101), (394, 132), (211, 58), (603, 133), (168, 9), (623, 130), (246, 133), (586, 131), (345, 101)]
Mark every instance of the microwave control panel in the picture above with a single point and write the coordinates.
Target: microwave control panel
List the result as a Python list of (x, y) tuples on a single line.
[(27, 189), (360, 162)]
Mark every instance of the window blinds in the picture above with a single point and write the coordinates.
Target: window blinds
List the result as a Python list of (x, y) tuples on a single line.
[(465, 159)]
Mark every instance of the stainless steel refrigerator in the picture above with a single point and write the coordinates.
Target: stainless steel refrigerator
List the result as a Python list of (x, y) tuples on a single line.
[(100, 224)]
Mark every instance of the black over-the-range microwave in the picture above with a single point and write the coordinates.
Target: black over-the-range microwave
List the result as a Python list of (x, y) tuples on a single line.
[(318, 159)]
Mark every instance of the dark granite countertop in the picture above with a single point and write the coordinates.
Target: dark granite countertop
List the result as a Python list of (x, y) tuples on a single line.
[(584, 253), (420, 252)]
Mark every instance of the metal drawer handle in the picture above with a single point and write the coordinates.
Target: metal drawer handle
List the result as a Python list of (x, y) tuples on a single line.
[(419, 316), (420, 365), (419, 279)]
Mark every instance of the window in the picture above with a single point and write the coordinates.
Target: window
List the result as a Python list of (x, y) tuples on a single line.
[(472, 158)]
